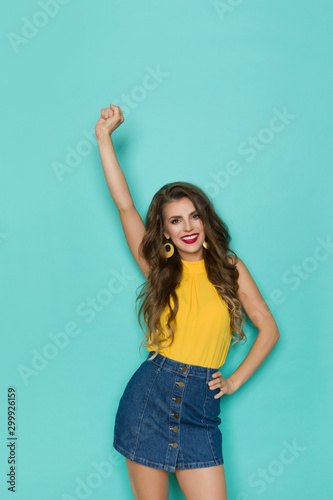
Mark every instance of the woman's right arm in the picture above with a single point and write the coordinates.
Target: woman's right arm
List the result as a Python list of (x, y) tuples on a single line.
[(133, 226)]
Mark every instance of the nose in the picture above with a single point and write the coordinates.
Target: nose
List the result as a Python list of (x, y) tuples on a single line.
[(188, 224)]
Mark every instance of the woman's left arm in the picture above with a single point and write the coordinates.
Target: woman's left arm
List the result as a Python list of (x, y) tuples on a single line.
[(268, 334)]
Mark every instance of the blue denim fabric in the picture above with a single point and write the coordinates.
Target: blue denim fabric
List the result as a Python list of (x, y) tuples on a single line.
[(168, 418)]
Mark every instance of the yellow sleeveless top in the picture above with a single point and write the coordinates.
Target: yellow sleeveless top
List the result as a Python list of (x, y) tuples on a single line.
[(203, 331)]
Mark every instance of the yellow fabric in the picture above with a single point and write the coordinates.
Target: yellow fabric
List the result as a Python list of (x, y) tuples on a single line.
[(203, 332)]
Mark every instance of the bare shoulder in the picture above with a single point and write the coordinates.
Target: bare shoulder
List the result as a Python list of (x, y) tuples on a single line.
[(231, 258), (245, 281), (250, 296), (237, 262)]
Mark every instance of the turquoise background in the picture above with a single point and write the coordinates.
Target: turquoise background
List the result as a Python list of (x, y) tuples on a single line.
[(226, 70)]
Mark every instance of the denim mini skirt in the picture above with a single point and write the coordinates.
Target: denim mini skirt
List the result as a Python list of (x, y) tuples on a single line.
[(168, 418)]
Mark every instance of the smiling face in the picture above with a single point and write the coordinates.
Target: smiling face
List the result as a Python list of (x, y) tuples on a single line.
[(182, 220)]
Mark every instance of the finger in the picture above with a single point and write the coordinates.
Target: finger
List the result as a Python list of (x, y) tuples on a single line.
[(219, 394), (215, 385), (117, 110)]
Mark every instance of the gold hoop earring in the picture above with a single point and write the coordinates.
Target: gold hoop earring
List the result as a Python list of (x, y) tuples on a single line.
[(170, 252), (205, 244)]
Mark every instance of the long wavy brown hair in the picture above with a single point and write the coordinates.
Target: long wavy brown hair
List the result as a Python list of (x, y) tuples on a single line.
[(166, 273)]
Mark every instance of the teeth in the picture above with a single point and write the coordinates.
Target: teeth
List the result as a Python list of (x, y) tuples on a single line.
[(189, 237)]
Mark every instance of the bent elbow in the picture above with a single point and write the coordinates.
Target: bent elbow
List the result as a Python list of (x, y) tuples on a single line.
[(277, 336)]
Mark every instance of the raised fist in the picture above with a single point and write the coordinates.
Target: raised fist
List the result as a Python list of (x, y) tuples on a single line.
[(109, 120)]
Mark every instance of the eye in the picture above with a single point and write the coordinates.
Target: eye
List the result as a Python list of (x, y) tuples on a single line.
[(173, 220), (196, 215)]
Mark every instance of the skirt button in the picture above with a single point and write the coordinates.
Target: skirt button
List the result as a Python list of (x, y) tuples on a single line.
[(181, 384), (175, 415), (175, 428), (174, 445), (178, 400), (184, 368)]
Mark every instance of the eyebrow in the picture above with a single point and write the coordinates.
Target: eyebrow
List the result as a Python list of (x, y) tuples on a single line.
[(179, 216)]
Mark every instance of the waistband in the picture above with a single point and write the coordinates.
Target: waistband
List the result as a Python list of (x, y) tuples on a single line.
[(180, 367)]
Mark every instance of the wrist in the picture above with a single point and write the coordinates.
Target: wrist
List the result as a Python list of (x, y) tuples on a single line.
[(234, 382), (102, 137)]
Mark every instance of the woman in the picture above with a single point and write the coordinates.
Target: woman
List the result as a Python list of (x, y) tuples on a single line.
[(192, 301)]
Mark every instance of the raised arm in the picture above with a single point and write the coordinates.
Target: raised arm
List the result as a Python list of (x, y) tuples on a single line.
[(133, 226)]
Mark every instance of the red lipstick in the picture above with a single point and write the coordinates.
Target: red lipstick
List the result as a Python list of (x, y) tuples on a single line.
[(192, 240)]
